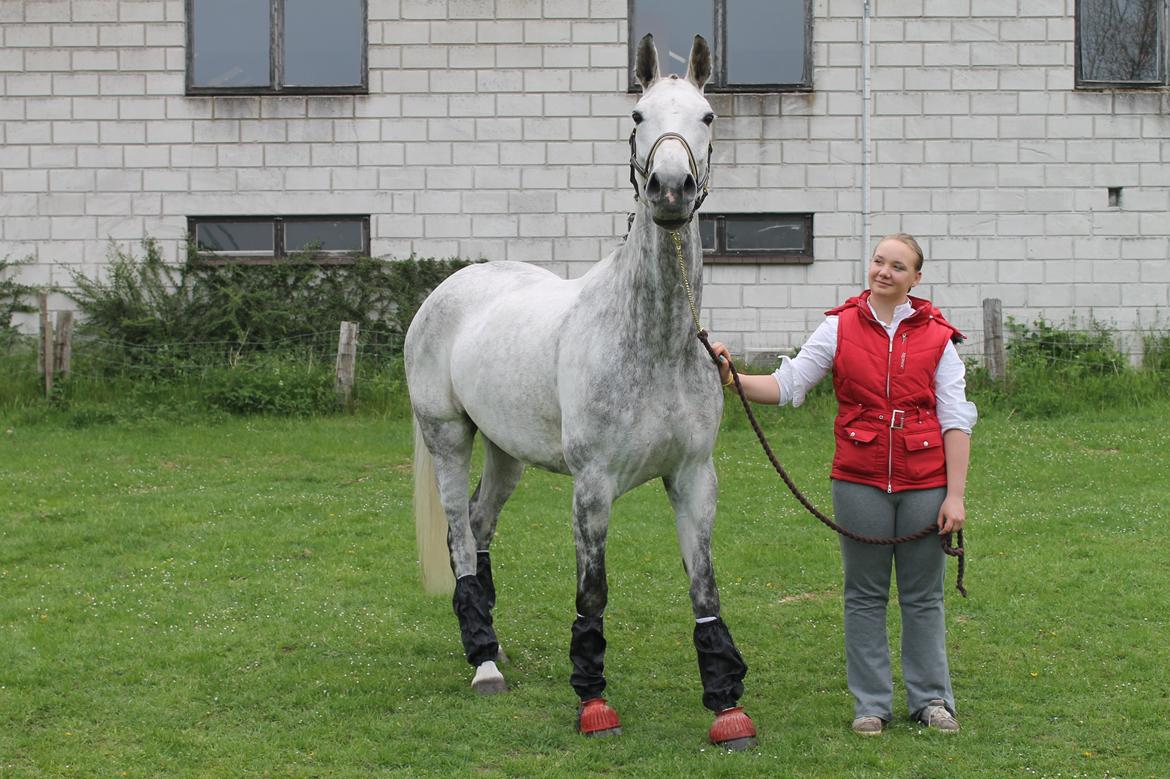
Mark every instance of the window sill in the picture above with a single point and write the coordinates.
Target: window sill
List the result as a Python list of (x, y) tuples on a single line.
[(1100, 86), (266, 91), (757, 259), (208, 259), (750, 89)]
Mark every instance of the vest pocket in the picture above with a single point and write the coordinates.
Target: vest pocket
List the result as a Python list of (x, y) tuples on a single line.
[(924, 454), (858, 436), (858, 452)]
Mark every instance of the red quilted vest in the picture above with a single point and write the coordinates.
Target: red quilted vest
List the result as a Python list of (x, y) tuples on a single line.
[(886, 430)]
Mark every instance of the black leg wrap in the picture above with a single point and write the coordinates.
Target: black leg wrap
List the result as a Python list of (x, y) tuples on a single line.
[(483, 572), (587, 651), (475, 621), (720, 665)]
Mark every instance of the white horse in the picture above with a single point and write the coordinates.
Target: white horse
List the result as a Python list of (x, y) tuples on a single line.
[(601, 378)]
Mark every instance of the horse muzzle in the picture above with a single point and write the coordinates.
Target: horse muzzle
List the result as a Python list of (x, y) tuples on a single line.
[(671, 197)]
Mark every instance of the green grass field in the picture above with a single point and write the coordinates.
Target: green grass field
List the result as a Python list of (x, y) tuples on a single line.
[(241, 598)]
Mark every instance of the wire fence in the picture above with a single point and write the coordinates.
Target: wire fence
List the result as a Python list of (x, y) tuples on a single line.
[(95, 359), (1130, 343)]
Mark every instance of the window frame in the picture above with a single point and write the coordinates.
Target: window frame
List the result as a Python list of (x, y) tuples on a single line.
[(1160, 82), (279, 253), (276, 60), (718, 82), (721, 255)]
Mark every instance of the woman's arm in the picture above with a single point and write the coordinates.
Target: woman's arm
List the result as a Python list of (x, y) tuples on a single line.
[(957, 416), (758, 389), (953, 513), (796, 376)]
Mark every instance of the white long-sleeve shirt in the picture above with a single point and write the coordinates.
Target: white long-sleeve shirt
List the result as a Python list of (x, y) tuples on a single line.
[(798, 375)]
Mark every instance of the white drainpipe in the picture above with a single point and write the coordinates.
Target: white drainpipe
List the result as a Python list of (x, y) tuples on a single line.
[(865, 144)]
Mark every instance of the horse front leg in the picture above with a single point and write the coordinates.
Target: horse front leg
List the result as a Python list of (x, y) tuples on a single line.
[(692, 492), (592, 502)]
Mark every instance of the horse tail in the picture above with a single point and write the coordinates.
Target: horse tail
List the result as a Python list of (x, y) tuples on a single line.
[(430, 523)]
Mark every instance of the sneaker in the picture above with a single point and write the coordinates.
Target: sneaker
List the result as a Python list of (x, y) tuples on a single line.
[(868, 726), (936, 716)]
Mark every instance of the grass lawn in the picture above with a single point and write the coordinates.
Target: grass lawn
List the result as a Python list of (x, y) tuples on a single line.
[(241, 598)]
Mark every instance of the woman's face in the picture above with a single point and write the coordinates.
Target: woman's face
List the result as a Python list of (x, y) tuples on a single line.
[(891, 271)]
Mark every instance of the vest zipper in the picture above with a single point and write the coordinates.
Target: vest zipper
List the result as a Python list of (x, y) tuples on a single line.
[(890, 426)]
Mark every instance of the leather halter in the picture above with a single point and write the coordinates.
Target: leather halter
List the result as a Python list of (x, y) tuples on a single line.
[(644, 170)]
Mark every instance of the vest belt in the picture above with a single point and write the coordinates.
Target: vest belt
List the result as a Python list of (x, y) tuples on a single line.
[(895, 418)]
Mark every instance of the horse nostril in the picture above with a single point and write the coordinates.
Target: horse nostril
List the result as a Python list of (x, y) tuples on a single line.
[(690, 188), (653, 186)]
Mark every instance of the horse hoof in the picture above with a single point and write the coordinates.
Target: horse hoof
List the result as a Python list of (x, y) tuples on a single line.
[(733, 730), (488, 679), (595, 717)]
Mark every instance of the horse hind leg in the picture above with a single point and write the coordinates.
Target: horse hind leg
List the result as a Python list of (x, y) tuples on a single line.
[(721, 667), (449, 442), (501, 474)]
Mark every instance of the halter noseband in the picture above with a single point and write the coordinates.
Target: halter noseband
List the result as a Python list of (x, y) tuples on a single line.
[(644, 170)]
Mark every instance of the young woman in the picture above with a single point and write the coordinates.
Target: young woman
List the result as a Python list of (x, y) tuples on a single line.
[(903, 431)]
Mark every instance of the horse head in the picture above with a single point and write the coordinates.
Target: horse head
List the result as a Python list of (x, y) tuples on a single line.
[(672, 122)]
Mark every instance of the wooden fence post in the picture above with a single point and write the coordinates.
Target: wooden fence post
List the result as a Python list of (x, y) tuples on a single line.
[(993, 338), (45, 363), (346, 357), (63, 344)]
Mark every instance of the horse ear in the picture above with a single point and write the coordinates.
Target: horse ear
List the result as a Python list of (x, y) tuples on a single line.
[(699, 68), (646, 67)]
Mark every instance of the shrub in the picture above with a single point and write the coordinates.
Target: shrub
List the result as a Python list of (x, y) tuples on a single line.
[(1091, 348), (172, 320), (12, 301), (280, 384), (1064, 368), (1156, 351), (209, 337), (141, 302)]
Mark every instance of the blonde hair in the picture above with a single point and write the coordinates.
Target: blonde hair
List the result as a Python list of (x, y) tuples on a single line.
[(907, 240)]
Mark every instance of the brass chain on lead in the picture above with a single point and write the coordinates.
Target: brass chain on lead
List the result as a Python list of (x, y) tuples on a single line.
[(682, 269)]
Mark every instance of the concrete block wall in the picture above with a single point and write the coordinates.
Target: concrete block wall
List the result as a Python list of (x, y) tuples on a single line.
[(496, 129)]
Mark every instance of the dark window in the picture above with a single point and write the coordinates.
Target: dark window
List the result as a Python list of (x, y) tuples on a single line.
[(756, 238), (267, 238), (237, 238), (1120, 43), (758, 45), (326, 235), (707, 233), (276, 46)]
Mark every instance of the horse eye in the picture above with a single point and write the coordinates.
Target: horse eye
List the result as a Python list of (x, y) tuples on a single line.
[(637, 117), (708, 118)]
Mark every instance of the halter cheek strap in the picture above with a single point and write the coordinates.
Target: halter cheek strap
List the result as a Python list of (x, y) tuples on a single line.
[(644, 170)]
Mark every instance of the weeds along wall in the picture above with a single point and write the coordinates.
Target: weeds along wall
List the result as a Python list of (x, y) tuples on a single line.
[(248, 338), (263, 338)]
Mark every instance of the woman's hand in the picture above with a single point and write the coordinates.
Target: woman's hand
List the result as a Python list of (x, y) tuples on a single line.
[(952, 515), (724, 356)]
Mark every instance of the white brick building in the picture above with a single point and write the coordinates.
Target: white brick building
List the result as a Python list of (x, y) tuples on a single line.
[(497, 129)]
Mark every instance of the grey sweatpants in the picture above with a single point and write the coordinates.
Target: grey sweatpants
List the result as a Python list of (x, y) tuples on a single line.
[(920, 567)]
